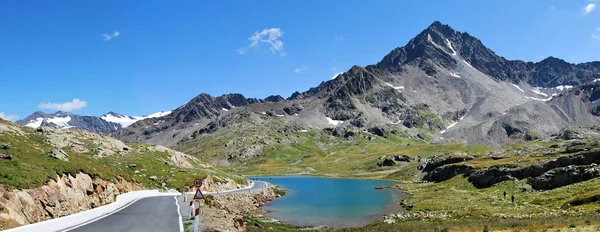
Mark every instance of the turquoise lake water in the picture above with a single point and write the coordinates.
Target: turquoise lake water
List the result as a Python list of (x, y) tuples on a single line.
[(331, 201)]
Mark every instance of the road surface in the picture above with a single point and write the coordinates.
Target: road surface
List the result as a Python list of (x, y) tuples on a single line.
[(147, 214), (150, 214)]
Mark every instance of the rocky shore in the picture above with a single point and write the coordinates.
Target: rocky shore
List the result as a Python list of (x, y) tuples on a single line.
[(225, 212)]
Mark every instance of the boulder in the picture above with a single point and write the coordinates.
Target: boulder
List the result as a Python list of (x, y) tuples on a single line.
[(238, 222), (559, 177), (386, 162), (58, 154), (5, 156), (153, 178), (4, 146), (377, 131), (403, 158)]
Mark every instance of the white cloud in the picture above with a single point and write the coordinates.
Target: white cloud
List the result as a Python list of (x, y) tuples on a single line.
[(589, 8), (9, 117), (336, 75), (596, 34), (271, 36), (76, 104), (241, 51), (302, 68), (108, 37), (283, 54)]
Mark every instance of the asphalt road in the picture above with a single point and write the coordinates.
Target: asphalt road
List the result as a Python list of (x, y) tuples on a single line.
[(150, 214), (258, 185), (147, 214)]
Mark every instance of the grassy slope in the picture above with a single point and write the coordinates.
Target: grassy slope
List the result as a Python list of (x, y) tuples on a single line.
[(454, 204), (29, 167), (315, 152)]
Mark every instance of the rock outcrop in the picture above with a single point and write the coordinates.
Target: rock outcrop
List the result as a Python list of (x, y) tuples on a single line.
[(559, 177), (446, 172), (223, 212), (446, 158), (64, 196), (386, 162), (496, 174), (58, 154)]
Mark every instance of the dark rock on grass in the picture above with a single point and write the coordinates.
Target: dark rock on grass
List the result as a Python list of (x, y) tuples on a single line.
[(559, 177), (490, 176), (499, 157), (4, 146), (386, 162), (446, 158), (446, 172), (403, 158), (377, 131), (349, 135), (58, 154), (5, 156)]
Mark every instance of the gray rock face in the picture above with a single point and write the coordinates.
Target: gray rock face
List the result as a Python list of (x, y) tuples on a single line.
[(563, 176), (446, 172), (549, 72), (58, 154), (496, 174), (443, 159)]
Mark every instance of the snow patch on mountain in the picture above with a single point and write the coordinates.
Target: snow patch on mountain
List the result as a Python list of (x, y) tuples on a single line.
[(334, 122), (539, 99), (61, 122), (516, 86), (454, 75), (538, 92), (35, 123), (449, 44), (125, 121), (395, 87), (467, 63), (563, 87)]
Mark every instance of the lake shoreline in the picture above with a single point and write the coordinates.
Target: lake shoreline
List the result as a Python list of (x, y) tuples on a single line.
[(372, 212)]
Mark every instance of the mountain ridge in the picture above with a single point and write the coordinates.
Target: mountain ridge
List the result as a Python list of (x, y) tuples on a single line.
[(425, 88)]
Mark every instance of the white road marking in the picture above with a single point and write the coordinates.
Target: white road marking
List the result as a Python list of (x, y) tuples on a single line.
[(179, 213), (103, 216)]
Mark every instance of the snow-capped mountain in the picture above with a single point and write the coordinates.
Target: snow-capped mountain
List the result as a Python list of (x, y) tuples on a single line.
[(125, 120), (65, 120), (108, 122)]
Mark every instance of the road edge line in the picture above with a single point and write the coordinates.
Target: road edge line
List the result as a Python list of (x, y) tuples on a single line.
[(98, 218), (179, 213)]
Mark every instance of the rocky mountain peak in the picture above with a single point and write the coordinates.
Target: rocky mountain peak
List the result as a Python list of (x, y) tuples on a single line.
[(113, 114), (274, 98)]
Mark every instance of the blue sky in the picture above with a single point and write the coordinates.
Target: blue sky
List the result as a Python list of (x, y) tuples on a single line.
[(140, 57)]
